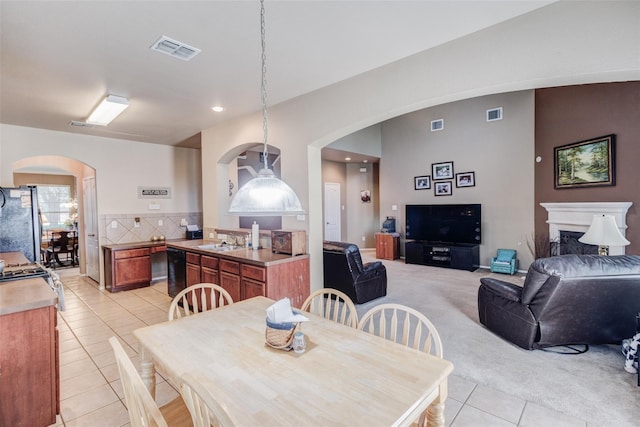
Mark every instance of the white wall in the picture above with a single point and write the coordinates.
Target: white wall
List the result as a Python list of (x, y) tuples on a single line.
[(121, 166), (500, 153), (366, 141), (554, 45)]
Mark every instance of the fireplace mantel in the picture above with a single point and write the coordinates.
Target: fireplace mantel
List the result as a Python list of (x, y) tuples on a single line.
[(577, 216)]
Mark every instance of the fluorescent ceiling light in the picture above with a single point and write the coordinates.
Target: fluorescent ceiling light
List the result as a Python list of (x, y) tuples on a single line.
[(109, 109)]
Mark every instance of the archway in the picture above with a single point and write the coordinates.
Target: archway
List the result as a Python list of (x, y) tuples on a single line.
[(30, 170)]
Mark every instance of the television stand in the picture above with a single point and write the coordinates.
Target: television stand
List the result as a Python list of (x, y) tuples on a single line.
[(449, 255)]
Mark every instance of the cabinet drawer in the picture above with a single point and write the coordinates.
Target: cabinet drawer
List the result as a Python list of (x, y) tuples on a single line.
[(209, 262), (131, 253), (193, 258), (156, 249), (230, 266), (253, 272)]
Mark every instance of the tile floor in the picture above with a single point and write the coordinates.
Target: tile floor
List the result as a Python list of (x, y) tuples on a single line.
[(91, 394)]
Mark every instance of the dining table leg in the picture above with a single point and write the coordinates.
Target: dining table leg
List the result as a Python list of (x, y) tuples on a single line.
[(148, 371), (435, 412)]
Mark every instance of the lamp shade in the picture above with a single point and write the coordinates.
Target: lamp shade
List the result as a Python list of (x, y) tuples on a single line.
[(603, 232), (265, 195)]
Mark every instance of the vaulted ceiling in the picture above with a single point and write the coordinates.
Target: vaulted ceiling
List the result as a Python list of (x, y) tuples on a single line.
[(60, 58)]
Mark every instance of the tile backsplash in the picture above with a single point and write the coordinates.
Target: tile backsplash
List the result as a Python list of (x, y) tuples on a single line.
[(150, 225)]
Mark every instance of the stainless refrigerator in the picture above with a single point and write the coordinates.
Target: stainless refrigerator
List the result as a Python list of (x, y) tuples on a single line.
[(20, 225)]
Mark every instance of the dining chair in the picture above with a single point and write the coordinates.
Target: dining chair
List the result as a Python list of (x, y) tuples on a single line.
[(205, 410), (198, 298), (61, 243), (332, 304), (406, 326), (142, 408), (403, 325)]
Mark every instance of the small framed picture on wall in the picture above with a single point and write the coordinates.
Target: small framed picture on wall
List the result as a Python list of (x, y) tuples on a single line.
[(422, 182), (443, 188), (443, 170), (466, 179)]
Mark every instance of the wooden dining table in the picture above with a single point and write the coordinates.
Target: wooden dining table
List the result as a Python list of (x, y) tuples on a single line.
[(345, 377)]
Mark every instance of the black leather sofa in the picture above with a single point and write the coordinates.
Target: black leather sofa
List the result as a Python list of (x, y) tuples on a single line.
[(567, 299), (344, 271)]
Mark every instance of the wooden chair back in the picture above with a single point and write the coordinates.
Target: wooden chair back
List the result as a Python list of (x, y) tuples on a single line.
[(197, 299), (403, 325), (143, 411), (205, 410), (332, 304)]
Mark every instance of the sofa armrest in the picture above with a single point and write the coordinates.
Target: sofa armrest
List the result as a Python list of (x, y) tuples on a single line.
[(372, 266), (370, 269), (506, 290)]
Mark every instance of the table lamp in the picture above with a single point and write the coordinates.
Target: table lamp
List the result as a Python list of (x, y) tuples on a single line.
[(603, 232)]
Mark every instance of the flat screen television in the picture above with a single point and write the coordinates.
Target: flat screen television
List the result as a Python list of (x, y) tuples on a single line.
[(444, 223)]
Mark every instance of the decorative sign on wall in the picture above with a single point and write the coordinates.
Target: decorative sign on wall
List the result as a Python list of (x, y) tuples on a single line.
[(154, 192)]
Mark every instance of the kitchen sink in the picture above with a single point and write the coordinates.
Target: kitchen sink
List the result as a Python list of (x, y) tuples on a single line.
[(219, 247)]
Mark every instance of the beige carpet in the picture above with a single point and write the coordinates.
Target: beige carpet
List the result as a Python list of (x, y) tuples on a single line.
[(592, 386)]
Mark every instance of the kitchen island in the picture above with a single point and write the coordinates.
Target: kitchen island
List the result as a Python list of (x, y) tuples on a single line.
[(243, 272), (30, 384)]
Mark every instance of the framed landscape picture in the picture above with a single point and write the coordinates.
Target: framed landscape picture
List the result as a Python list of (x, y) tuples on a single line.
[(587, 163), (465, 179), (442, 170), (443, 188), (422, 182)]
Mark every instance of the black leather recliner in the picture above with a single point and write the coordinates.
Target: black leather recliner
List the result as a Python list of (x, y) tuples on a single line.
[(344, 271), (567, 299)]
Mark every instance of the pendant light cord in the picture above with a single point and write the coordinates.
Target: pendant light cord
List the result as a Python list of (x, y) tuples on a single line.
[(263, 88)]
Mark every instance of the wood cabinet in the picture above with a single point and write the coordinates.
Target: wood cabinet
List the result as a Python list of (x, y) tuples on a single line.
[(209, 272), (193, 269), (387, 246), (127, 268), (244, 277), (128, 265), (288, 279), (230, 278), (29, 365)]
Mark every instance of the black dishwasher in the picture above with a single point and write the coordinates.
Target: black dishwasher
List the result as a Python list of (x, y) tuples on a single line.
[(176, 271)]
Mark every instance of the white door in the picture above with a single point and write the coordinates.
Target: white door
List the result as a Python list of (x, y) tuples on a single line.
[(92, 251), (332, 211)]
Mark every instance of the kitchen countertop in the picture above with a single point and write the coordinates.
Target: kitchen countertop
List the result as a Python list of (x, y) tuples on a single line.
[(25, 294), (13, 258), (261, 257), (135, 245)]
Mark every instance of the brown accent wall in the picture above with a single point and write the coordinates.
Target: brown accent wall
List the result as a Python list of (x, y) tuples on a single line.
[(576, 113)]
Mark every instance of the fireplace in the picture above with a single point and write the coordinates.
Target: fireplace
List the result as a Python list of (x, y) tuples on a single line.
[(576, 218), (568, 244)]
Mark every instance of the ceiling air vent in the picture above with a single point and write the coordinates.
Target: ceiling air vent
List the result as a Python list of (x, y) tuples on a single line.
[(175, 48), (494, 114), (437, 125)]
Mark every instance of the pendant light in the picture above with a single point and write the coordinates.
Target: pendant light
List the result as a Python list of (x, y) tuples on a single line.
[(265, 195)]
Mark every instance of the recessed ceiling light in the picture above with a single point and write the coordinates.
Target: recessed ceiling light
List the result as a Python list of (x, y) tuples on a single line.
[(348, 159), (218, 109), (365, 161)]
